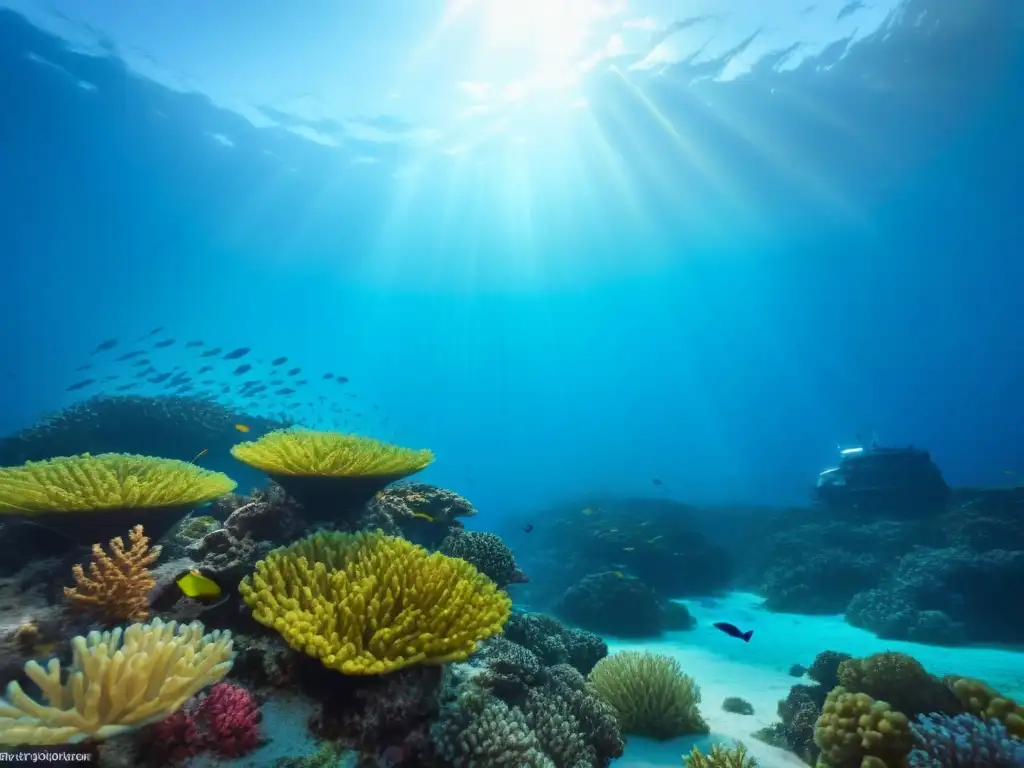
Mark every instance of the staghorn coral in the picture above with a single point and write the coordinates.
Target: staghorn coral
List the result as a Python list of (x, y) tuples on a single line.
[(366, 603), (119, 681), (855, 731), (986, 702), (650, 694), (901, 681), (963, 741), (83, 496), (118, 585), (720, 757), (332, 475), (487, 553)]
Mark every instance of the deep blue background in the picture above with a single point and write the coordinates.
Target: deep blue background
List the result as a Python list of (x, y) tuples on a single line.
[(726, 358)]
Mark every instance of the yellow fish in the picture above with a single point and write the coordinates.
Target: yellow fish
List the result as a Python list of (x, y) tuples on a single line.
[(651, 541), (424, 516), (200, 454), (628, 549), (619, 574), (193, 584), (241, 427)]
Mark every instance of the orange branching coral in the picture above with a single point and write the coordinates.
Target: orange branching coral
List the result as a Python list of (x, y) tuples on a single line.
[(118, 585)]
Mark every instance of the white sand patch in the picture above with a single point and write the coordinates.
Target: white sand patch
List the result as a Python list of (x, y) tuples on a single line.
[(759, 671)]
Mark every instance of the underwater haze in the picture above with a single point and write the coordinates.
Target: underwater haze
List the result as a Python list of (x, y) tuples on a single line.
[(570, 248), (529, 383)]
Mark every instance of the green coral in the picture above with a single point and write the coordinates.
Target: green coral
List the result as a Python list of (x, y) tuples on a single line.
[(856, 731), (901, 681), (650, 694), (986, 702), (720, 757)]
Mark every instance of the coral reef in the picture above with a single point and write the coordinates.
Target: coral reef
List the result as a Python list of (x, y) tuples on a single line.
[(799, 711), (366, 604), (332, 475), (422, 513), (901, 681), (162, 425), (963, 741), (518, 712), (613, 604), (738, 706), (720, 757), (83, 496), (487, 553), (983, 700), (118, 584), (554, 643), (853, 728), (119, 680), (650, 694)]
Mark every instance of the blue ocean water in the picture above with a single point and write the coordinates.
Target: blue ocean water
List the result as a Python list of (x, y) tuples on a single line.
[(580, 249)]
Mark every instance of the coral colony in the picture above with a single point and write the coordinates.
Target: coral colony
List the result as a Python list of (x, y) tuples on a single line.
[(343, 588)]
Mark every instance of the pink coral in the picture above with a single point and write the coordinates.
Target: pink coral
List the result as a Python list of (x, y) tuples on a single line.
[(177, 738), (232, 720)]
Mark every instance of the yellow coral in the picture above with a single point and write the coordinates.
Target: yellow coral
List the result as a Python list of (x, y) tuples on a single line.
[(855, 730), (119, 681), (720, 757), (899, 679), (650, 694), (118, 584), (987, 703), (367, 604), (88, 483), (307, 452)]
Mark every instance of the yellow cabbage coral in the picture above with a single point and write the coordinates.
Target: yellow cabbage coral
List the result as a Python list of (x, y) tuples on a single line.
[(331, 474), (329, 454), (367, 604), (650, 694), (855, 730), (87, 497), (119, 681), (987, 703)]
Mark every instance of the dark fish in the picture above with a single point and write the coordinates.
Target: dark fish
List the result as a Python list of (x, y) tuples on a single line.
[(732, 631), (275, 382), (129, 355), (242, 369), (343, 379), (285, 391), (206, 381), (528, 527), (143, 361), (206, 368), (80, 385), (279, 361), (192, 344), (105, 345), (110, 378), (302, 381), (237, 353), (125, 387), (212, 352), (164, 343), (656, 481), (797, 670), (328, 376), (154, 332), (294, 371), (84, 367), (160, 377)]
